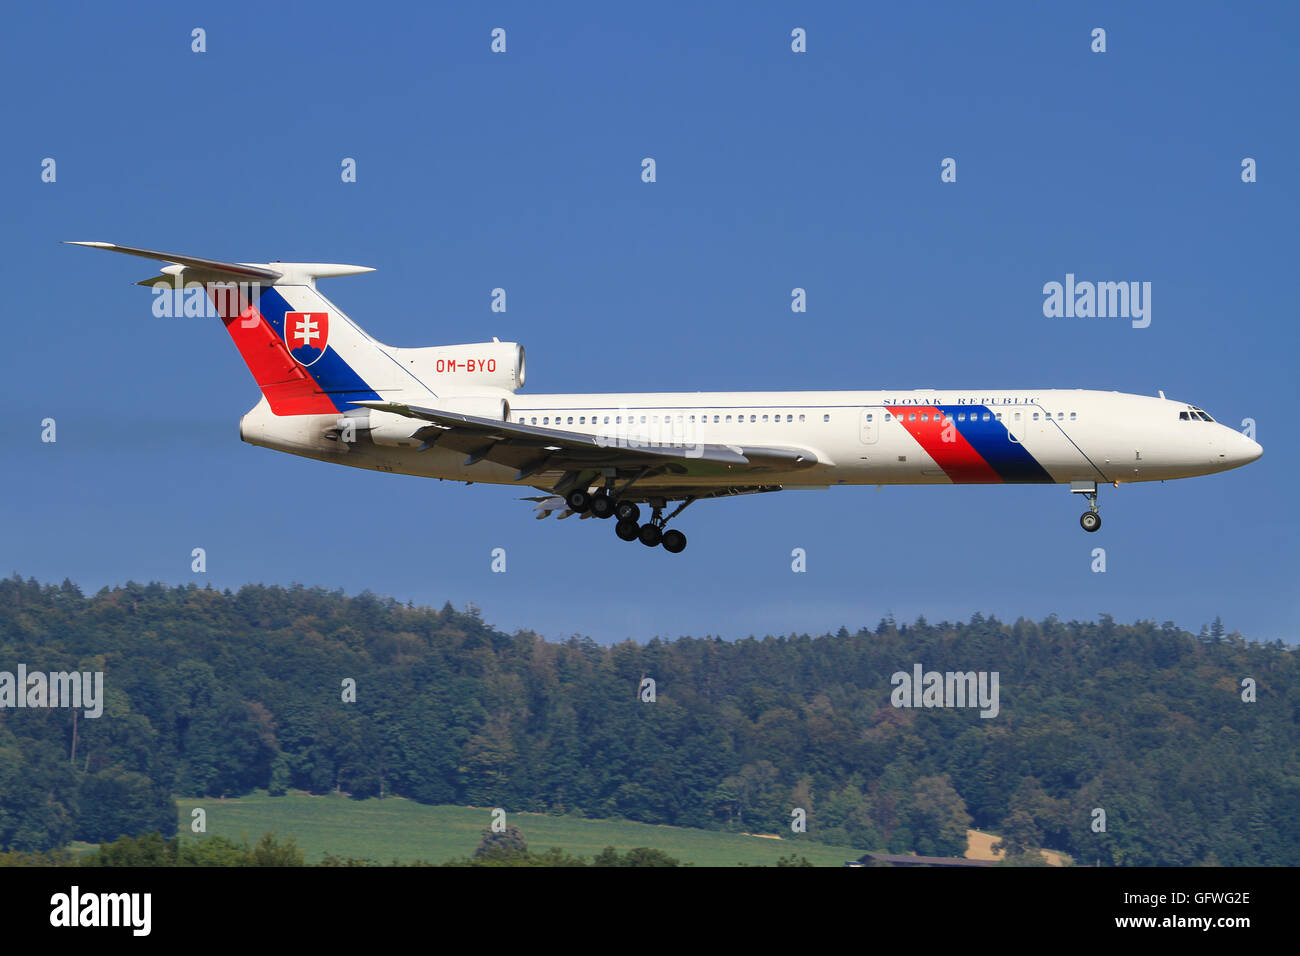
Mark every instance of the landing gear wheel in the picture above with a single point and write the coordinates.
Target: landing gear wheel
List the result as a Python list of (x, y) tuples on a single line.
[(627, 530), (602, 505), (1090, 521), (627, 511), (674, 541), (578, 501), (650, 535)]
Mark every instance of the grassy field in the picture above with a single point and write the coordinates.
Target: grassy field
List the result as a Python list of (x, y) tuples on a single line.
[(398, 829)]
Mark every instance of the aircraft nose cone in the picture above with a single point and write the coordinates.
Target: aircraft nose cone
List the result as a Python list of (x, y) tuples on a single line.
[(1241, 450)]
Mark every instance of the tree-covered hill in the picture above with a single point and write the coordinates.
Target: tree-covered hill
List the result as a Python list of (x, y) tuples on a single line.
[(217, 693)]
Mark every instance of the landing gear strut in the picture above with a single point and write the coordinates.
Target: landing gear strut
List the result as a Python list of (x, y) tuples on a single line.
[(655, 531), (606, 502), (1090, 520)]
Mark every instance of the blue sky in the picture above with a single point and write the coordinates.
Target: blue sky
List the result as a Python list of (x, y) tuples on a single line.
[(775, 170)]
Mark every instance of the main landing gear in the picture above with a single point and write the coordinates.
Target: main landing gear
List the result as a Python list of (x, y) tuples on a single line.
[(1090, 520), (601, 504), (604, 504), (655, 531)]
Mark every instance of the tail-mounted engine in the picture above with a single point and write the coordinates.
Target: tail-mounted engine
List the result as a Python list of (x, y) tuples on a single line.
[(467, 369)]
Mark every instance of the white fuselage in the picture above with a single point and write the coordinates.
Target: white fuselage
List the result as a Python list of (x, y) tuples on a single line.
[(876, 437)]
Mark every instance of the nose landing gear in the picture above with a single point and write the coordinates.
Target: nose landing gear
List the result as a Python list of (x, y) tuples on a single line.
[(1090, 520)]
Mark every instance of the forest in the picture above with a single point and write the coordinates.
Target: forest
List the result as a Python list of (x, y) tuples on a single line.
[(1186, 743)]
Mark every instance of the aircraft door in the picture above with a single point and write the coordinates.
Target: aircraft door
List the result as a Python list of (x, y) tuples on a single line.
[(871, 418), (1016, 418)]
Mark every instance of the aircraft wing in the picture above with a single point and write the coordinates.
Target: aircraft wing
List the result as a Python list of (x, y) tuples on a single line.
[(533, 450)]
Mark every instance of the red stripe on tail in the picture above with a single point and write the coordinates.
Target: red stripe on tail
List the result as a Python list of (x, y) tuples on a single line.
[(289, 390)]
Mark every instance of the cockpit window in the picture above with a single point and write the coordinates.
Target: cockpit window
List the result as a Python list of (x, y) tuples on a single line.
[(1184, 416)]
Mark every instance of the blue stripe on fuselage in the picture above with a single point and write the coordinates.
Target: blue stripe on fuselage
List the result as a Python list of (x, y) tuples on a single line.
[(336, 378), (990, 439)]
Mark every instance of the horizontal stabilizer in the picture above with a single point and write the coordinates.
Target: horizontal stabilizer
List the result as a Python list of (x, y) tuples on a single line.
[(241, 270), (270, 273)]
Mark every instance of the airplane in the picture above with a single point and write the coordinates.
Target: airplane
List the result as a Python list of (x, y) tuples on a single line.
[(332, 393)]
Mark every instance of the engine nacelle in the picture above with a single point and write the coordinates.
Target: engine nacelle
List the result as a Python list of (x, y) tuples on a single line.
[(480, 406), (481, 366)]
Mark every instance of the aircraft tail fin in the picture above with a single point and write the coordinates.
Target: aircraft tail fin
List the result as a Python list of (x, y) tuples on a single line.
[(306, 356)]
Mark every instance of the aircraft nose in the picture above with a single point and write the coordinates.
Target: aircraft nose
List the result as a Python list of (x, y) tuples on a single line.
[(1238, 449)]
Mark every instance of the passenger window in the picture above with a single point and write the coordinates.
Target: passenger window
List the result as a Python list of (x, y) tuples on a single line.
[(1060, 416), (606, 419), (826, 418), (642, 419), (789, 418), (961, 416), (999, 416), (1035, 416), (728, 419), (911, 416), (887, 418), (546, 421), (764, 418), (1073, 416), (800, 418), (715, 418), (753, 418), (986, 416), (868, 416)]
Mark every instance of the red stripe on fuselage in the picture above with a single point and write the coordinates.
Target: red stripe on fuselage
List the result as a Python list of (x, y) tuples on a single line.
[(959, 461), (289, 390)]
